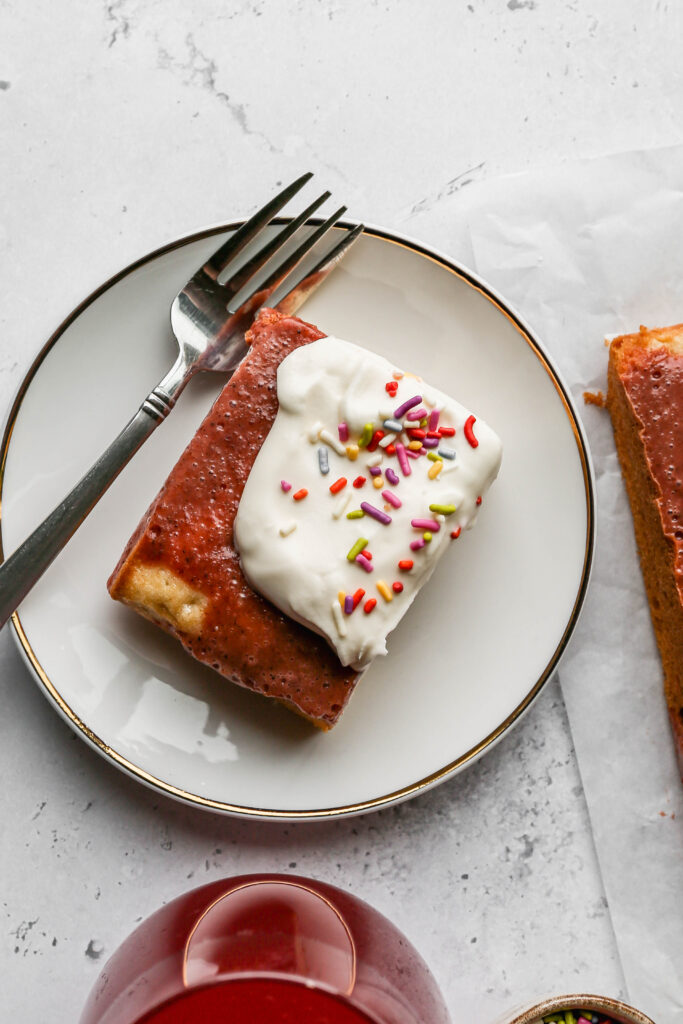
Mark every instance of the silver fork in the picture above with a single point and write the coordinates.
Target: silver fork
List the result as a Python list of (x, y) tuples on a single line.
[(209, 326)]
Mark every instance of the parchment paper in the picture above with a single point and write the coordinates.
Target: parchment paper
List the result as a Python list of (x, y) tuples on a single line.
[(584, 250)]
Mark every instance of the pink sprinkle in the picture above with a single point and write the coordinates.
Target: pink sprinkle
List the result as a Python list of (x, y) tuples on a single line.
[(348, 604), (414, 455), (417, 414), (402, 458), (410, 404), (375, 471), (433, 419), (392, 499), (364, 563), (392, 477), (285, 486), (426, 524), (343, 432), (415, 545)]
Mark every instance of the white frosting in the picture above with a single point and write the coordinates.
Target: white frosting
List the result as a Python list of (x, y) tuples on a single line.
[(302, 568)]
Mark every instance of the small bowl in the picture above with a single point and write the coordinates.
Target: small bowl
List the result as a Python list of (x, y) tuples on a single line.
[(614, 1008)]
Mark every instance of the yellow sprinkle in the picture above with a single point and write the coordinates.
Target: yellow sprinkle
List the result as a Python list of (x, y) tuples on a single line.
[(341, 595), (385, 591), (427, 536), (377, 482), (414, 445), (352, 451), (413, 376), (434, 470)]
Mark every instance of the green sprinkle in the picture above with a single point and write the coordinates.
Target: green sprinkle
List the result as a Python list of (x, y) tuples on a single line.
[(569, 1017), (357, 548), (448, 510), (357, 513), (427, 536), (366, 436), (433, 457), (423, 423)]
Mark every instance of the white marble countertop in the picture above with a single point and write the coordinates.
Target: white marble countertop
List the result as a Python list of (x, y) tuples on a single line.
[(130, 122)]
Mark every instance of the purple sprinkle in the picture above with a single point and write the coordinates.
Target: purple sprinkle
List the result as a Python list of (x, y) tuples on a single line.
[(392, 499), (285, 486), (431, 442), (364, 563), (343, 432), (402, 459), (415, 545), (376, 513), (391, 476), (417, 414), (433, 419), (375, 471), (403, 409), (348, 603), (426, 524)]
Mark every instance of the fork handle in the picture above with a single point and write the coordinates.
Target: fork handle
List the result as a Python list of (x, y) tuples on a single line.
[(26, 565)]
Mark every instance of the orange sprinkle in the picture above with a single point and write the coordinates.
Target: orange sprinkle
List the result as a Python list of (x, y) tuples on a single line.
[(338, 485), (358, 597), (300, 495), (406, 564), (369, 605), (455, 533)]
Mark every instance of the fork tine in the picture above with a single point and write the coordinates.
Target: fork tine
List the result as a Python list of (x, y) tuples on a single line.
[(230, 248), (295, 289), (240, 278), (295, 257)]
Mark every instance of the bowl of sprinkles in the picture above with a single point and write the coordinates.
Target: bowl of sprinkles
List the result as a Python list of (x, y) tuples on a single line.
[(581, 1009)]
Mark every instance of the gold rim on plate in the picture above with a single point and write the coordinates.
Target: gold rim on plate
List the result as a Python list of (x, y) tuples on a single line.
[(454, 766)]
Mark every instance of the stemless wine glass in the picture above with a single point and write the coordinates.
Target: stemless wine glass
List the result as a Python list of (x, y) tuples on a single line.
[(266, 949)]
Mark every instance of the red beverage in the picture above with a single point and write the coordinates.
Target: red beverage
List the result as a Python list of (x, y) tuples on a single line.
[(266, 949)]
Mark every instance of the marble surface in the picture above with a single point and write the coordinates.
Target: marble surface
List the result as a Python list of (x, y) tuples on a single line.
[(130, 122)]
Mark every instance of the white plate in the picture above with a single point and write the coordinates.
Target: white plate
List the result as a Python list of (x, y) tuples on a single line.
[(468, 659)]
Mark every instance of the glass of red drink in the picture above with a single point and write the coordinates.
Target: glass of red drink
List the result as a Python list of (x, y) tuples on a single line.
[(266, 949)]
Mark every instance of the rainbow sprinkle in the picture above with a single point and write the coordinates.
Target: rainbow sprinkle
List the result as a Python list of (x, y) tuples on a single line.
[(352, 452), (384, 591), (469, 431), (285, 486), (376, 513), (357, 513), (323, 461), (332, 441), (343, 431), (402, 460), (364, 563), (392, 499), (356, 549), (410, 404), (391, 476), (338, 485), (434, 471), (369, 605), (366, 435), (300, 494), (442, 510), (426, 524)]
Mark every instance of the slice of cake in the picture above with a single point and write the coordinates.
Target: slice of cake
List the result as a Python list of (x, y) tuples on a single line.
[(645, 402), (312, 504), (180, 568)]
